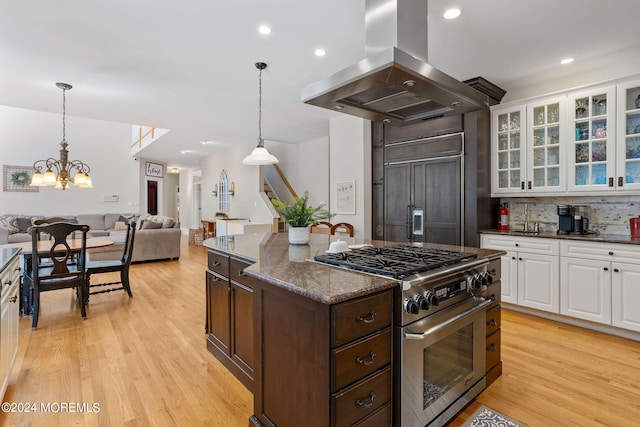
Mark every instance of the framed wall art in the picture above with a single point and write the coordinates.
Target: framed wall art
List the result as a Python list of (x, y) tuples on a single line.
[(346, 197), (18, 178), (154, 169)]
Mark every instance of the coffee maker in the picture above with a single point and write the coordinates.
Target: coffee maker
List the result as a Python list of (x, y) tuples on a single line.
[(573, 219), (565, 219)]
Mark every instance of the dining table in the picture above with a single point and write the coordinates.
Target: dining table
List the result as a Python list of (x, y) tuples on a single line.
[(43, 249)]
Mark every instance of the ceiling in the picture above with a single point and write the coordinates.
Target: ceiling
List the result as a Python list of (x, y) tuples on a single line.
[(188, 66)]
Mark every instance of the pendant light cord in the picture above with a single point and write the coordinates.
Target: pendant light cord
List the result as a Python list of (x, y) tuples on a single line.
[(260, 143)]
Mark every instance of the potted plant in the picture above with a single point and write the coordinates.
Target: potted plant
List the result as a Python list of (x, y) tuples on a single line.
[(299, 216)]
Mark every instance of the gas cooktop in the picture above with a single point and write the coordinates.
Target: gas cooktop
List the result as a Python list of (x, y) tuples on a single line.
[(397, 261)]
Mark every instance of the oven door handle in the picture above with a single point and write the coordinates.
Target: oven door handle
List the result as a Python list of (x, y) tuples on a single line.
[(455, 318)]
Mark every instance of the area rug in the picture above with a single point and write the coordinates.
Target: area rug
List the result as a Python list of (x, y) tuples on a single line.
[(486, 417)]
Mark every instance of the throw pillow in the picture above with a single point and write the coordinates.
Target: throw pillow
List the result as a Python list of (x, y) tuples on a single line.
[(11, 223), (120, 225), (151, 225), (168, 223)]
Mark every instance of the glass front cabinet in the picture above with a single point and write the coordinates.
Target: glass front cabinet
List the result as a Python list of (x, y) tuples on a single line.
[(546, 126), (592, 149), (628, 137), (509, 141)]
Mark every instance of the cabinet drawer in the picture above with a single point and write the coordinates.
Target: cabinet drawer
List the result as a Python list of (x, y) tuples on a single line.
[(362, 399), (235, 271), (357, 318), (493, 292), (493, 349), (219, 263), (381, 418), (493, 319), (534, 245), (600, 251), (357, 360)]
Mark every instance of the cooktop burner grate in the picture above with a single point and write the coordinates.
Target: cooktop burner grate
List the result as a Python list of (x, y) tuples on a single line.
[(398, 261)]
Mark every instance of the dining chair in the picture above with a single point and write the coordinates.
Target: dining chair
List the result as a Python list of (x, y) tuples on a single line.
[(59, 273), (342, 228), (321, 227), (113, 266), (53, 220)]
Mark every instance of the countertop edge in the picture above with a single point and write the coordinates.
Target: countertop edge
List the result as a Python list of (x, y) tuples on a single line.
[(600, 238)]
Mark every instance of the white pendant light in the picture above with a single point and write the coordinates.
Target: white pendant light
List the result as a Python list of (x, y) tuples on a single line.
[(260, 155)]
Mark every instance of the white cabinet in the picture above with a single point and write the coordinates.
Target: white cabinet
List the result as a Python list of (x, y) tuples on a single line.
[(592, 150), (508, 149), (527, 151), (628, 136), (546, 164), (601, 282), (586, 289), (625, 295), (530, 270), (9, 307)]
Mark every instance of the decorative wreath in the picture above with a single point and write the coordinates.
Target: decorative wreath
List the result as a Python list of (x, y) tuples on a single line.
[(20, 178)]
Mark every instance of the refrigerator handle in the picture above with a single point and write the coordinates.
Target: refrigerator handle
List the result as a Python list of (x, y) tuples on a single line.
[(408, 223)]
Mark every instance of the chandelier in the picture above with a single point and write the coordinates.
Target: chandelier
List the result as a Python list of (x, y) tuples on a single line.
[(58, 172), (260, 155)]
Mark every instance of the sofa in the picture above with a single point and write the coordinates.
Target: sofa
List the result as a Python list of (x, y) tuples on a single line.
[(157, 237)]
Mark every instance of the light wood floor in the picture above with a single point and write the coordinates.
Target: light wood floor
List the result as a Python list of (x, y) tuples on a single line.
[(144, 362)]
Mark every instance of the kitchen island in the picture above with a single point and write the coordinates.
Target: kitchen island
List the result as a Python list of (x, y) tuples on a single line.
[(286, 325)]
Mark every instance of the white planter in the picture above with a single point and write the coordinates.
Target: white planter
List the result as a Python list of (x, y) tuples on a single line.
[(298, 235)]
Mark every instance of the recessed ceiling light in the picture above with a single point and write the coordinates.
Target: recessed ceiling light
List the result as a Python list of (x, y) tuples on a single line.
[(566, 61), (206, 142), (320, 52), (263, 29), (185, 151), (451, 13)]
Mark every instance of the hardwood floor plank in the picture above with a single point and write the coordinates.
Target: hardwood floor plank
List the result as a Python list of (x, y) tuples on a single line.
[(144, 361)]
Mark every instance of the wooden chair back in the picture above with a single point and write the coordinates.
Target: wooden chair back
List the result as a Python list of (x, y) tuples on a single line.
[(342, 227), (321, 227)]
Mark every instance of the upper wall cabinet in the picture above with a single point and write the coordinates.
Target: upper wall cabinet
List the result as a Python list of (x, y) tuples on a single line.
[(576, 143), (508, 149), (628, 147), (592, 152), (527, 151)]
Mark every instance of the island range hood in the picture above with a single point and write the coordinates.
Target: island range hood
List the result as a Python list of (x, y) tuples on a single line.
[(394, 83)]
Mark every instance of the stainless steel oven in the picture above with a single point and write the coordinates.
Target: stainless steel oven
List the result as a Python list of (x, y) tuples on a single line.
[(439, 326), (443, 363)]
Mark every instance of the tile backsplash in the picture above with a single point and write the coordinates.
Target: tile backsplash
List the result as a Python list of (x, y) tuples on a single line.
[(609, 215)]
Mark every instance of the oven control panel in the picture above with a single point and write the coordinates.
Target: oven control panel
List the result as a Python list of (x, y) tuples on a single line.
[(427, 298)]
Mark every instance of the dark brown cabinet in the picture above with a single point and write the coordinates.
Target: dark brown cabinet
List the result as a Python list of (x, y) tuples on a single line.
[(332, 363), (436, 180), (493, 319), (229, 323)]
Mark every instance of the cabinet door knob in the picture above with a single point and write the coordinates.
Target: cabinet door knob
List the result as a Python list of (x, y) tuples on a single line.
[(620, 181), (517, 244), (610, 253), (492, 322), (492, 347), (520, 259), (606, 269), (513, 257), (615, 270)]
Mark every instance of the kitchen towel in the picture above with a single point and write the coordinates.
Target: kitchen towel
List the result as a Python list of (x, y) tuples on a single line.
[(486, 417)]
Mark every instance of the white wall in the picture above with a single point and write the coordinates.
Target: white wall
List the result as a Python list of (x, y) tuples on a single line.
[(28, 135), (350, 160), (246, 203)]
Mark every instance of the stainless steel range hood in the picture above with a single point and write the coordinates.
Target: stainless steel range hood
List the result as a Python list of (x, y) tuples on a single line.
[(394, 83)]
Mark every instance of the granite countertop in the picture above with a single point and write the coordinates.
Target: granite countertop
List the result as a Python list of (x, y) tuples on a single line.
[(603, 238), (6, 256), (292, 266)]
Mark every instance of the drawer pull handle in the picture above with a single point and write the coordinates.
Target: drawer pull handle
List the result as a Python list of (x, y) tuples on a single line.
[(360, 360), (492, 322), (372, 317), (13, 299), (215, 263), (241, 273), (606, 269), (616, 270), (492, 347), (610, 253), (493, 297), (7, 283), (372, 397)]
